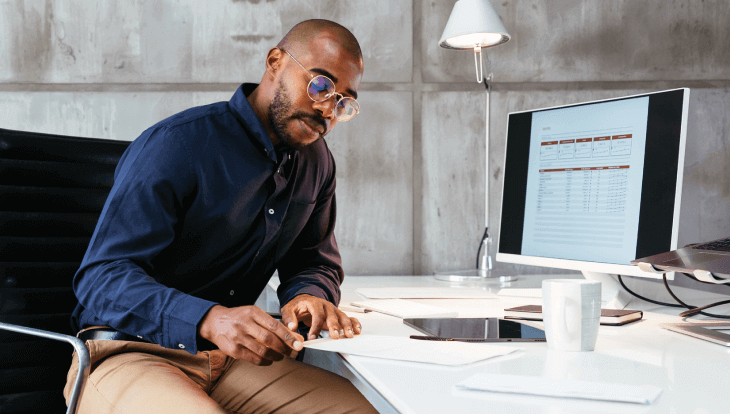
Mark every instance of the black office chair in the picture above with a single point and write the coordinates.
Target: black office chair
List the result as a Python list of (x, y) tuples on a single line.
[(52, 190)]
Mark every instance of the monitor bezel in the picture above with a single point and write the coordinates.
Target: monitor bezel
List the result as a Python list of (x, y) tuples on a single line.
[(611, 268)]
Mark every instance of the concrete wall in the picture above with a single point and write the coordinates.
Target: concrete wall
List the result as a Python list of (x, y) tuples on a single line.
[(411, 166)]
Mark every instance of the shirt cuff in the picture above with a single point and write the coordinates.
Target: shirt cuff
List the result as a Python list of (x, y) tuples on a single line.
[(305, 290), (182, 323)]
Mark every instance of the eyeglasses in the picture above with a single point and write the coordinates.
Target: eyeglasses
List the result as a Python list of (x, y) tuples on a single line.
[(321, 88)]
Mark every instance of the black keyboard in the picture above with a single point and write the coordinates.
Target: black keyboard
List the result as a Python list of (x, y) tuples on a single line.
[(722, 245)]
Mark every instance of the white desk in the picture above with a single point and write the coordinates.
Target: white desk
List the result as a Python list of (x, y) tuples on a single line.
[(692, 373)]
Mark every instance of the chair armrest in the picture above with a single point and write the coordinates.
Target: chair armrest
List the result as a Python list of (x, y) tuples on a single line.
[(81, 352)]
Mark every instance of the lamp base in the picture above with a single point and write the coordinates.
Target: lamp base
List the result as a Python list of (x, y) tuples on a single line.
[(474, 277)]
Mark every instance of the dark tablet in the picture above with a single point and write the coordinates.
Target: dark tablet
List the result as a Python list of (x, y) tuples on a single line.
[(477, 329)]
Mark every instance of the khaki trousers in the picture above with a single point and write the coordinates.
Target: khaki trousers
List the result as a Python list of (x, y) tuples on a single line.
[(136, 378)]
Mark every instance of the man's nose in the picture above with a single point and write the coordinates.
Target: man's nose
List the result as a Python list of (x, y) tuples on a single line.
[(327, 107)]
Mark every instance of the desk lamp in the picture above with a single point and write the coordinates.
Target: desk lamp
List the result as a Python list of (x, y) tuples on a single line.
[(474, 25)]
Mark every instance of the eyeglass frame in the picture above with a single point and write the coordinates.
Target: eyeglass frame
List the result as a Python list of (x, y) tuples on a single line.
[(334, 93)]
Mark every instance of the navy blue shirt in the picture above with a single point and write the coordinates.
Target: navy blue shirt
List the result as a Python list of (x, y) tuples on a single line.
[(203, 210)]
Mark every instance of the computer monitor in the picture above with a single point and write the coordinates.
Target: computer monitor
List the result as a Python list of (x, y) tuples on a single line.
[(592, 186)]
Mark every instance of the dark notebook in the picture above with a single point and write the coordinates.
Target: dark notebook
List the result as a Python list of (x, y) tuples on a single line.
[(612, 317)]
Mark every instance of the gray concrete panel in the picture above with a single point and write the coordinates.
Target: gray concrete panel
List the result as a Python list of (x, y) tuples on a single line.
[(182, 41), (84, 115), (567, 40), (204, 98), (119, 116), (453, 153), (147, 41), (233, 48), (374, 157), (47, 41), (705, 211), (11, 20)]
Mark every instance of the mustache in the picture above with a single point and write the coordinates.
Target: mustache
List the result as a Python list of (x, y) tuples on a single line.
[(314, 118)]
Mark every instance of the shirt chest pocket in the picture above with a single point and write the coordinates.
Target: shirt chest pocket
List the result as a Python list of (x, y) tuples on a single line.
[(295, 221)]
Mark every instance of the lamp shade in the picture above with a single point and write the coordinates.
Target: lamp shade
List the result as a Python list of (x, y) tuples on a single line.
[(473, 23)]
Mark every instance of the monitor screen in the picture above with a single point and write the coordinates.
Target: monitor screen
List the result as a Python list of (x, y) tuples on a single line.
[(592, 186)]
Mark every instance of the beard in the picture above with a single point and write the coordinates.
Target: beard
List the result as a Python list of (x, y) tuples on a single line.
[(280, 113)]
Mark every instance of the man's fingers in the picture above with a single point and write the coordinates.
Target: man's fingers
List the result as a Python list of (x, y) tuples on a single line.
[(318, 319), (356, 326), (321, 314), (289, 318), (246, 348), (333, 323), (275, 336), (346, 324), (264, 343)]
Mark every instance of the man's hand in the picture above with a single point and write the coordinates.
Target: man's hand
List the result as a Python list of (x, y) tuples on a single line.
[(250, 334), (318, 314)]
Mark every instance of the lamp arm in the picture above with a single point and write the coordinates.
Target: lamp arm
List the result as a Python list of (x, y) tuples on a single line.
[(488, 87), (484, 260), (478, 66)]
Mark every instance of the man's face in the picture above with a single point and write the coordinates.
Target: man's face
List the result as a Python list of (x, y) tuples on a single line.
[(293, 116)]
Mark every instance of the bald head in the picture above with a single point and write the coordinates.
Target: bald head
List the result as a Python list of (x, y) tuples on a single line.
[(299, 37)]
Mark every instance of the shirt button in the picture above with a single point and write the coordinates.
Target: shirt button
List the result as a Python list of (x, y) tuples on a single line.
[(232, 292), (279, 171), (140, 337), (271, 211), (181, 346)]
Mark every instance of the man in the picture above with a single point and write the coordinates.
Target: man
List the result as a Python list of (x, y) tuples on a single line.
[(205, 206)]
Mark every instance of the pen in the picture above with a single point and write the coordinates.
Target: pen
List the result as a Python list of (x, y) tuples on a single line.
[(354, 309), (438, 338)]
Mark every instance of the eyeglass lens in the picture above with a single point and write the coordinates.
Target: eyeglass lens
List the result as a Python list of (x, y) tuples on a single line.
[(346, 109), (321, 88)]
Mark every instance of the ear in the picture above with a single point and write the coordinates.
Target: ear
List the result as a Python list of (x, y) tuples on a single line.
[(273, 61)]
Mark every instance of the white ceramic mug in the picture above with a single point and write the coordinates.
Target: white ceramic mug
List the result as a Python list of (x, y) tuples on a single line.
[(571, 310)]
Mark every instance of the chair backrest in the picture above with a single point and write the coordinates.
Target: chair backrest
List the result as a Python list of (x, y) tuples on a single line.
[(52, 190)]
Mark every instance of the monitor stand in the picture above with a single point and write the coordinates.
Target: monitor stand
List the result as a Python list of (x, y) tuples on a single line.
[(613, 295)]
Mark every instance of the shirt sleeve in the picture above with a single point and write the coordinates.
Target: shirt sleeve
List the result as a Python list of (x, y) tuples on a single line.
[(313, 265), (152, 181)]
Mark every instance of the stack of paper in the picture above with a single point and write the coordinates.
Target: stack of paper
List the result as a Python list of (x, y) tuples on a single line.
[(561, 387)]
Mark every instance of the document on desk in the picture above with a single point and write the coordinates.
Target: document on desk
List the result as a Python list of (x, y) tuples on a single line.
[(521, 293), (561, 387), (401, 308), (406, 349), (425, 293)]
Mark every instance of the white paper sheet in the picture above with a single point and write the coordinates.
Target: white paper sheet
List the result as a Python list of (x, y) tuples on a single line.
[(402, 308), (406, 349), (425, 293), (559, 387), (525, 293)]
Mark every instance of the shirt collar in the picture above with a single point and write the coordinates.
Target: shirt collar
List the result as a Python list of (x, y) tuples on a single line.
[(245, 114)]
